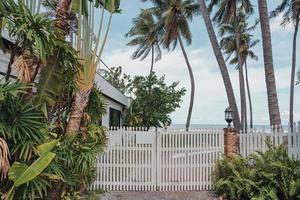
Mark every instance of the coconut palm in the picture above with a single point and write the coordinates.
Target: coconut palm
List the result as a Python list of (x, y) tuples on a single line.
[(291, 14), (228, 44), (174, 17), (221, 62), (145, 37), (227, 12), (274, 113)]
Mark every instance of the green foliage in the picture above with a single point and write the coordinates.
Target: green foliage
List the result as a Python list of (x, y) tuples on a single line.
[(33, 32), (290, 12), (112, 6), (20, 123), (174, 17), (11, 89), (228, 40), (35, 171), (28, 121), (145, 36), (37, 37), (118, 79), (76, 157), (96, 107), (56, 78), (154, 101), (20, 173), (22, 126), (266, 175)]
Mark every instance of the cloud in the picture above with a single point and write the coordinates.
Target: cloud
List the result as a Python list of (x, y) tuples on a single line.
[(275, 25), (210, 96)]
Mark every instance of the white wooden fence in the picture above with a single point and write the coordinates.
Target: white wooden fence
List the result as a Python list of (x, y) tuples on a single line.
[(173, 160), (255, 140), (137, 159)]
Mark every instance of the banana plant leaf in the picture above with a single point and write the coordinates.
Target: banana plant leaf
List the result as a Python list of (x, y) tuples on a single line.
[(49, 85), (20, 173)]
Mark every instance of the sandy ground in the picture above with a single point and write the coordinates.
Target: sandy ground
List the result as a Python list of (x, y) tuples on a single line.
[(203, 195)]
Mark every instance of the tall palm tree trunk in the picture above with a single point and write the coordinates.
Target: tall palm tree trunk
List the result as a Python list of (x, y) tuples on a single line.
[(221, 63), (274, 113), (79, 103), (188, 121), (62, 16), (293, 72), (152, 59), (249, 95), (241, 82)]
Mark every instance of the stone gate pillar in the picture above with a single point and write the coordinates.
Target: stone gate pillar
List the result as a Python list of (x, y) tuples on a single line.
[(231, 142)]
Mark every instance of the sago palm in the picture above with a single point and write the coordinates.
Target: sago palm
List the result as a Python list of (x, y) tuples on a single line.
[(274, 113), (146, 37), (228, 44), (174, 17), (227, 12), (291, 14), (221, 62)]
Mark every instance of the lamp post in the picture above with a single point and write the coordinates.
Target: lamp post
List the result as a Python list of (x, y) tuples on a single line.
[(228, 116)]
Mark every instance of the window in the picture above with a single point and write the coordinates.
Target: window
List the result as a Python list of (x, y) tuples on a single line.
[(114, 117)]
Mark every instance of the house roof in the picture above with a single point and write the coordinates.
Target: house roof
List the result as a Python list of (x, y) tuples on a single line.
[(110, 91), (4, 34)]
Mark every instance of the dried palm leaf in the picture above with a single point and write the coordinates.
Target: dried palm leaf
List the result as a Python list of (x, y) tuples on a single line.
[(86, 118), (4, 162), (24, 65)]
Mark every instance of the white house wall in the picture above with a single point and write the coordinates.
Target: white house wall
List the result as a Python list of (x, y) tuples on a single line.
[(110, 104), (4, 59)]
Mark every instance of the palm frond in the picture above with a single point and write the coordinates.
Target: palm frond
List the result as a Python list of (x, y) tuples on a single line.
[(4, 162), (24, 67)]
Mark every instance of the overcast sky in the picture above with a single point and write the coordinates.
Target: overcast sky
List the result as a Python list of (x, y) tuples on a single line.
[(210, 96)]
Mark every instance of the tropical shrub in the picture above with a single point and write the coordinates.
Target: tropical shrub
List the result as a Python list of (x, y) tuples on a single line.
[(23, 129), (35, 147), (118, 79), (35, 115), (76, 158), (266, 175), (153, 102), (96, 107)]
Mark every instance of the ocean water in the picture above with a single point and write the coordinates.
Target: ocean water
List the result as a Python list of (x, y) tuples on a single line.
[(197, 126)]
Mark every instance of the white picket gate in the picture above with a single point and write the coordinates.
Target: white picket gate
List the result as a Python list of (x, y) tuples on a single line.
[(255, 140), (172, 160)]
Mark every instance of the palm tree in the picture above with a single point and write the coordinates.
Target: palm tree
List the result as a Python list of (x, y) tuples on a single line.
[(62, 16), (291, 13), (227, 12), (228, 44), (221, 62), (145, 37), (173, 23), (274, 113)]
